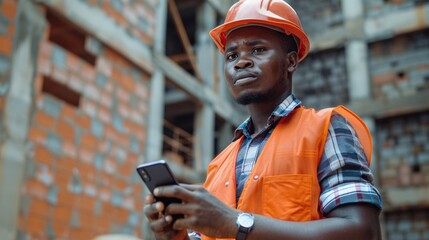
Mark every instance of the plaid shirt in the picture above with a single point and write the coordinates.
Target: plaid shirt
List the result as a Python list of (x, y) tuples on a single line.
[(343, 172)]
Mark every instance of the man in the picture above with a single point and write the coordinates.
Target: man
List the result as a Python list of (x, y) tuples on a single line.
[(291, 172)]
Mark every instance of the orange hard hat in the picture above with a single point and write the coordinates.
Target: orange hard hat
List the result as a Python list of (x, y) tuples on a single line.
[(270, 13)]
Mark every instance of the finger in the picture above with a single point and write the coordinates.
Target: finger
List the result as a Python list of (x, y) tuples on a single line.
[(153, 211), (185, 209), (185, 223), (193, 187), (161, 224), (149, 199), (174, 191)]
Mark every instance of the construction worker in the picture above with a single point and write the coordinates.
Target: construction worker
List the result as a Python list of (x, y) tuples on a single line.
[(290, 172)]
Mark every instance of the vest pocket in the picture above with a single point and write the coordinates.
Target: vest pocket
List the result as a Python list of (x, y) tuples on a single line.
[(287, 197)]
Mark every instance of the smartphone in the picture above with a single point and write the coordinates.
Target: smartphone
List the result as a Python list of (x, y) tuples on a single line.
[(156, 174)]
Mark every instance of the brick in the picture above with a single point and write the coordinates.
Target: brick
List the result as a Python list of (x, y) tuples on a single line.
[(83, 122), (9, 9), (89, 141), (44, 120), (73, 63), (61, 229), (68, 112), (36, 225), (5, 45), (37, 135), (65, 167), (36, 189), (65, 130), (43, 155)]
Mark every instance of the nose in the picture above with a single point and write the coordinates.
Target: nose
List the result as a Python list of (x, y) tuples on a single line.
[(243, 62)]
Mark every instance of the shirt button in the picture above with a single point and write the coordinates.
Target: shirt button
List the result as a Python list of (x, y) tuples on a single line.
[(226, 184), (256, 177)]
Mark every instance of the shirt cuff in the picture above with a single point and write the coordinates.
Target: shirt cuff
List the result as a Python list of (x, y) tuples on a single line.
[(346, 193)]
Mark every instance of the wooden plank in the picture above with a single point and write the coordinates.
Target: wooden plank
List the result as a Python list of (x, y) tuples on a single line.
[(184, 37)]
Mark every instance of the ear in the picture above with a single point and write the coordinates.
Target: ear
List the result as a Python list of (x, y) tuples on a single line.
[(292, 62)]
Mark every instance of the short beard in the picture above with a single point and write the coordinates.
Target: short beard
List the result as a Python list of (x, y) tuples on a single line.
[(252, 98), (261, 97)]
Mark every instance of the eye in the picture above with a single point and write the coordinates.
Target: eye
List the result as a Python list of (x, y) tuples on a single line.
[(230, 56), (258, 50)]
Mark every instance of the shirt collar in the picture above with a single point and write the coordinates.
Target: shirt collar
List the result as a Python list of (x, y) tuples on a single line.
[(282, 110)]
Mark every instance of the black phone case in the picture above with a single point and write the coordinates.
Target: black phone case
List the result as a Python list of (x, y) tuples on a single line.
[(157, 174)]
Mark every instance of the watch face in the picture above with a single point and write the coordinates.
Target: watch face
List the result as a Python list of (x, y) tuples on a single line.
[(246, 220)]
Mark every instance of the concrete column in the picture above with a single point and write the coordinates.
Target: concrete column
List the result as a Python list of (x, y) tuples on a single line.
[(204, 137), (17, 115), (154, 140), (205, 115)]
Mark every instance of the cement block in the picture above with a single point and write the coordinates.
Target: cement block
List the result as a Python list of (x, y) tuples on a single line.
[(54, 143), (4, 25), (97, 128), (98, 161), (4, 64), (52, 106), (58, 57)]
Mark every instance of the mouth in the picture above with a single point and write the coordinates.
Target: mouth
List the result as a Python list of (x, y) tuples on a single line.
[(241, 79)]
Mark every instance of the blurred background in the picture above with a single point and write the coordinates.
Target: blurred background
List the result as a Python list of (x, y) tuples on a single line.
[(91, 88)]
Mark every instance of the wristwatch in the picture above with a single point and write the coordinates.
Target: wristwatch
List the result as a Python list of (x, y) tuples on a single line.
[(245, 222)]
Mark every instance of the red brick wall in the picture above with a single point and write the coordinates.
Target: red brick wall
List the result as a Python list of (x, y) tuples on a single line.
[(138, 17), (80, 179), (8, 10)]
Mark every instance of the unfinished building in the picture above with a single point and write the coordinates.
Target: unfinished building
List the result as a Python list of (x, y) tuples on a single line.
[(91, 88)]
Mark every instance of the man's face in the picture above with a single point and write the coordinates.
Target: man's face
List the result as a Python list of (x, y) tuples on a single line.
[(256, 65)]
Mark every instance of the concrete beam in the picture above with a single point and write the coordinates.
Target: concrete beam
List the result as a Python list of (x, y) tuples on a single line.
[(202, 93), (397, 22), (399, 198), (391, 107), (371, 29), (98, 24)]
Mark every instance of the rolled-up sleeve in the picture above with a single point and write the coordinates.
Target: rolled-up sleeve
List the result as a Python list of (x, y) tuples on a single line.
[(344, 174)]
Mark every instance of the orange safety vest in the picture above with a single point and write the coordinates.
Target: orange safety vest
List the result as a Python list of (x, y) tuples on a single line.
[(283, 183)]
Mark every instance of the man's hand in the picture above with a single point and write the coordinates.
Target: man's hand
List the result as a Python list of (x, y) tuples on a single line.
[(203, 212), (161, 225)]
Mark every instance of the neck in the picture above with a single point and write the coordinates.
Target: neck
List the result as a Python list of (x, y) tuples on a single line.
[(260, 112)]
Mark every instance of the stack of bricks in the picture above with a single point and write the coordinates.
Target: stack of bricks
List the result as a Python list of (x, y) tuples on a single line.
[(7, 28), (318, 16), (137, 17), (380, 7), (321, 80), (400, 66), (404, 152), (80, 179), (410, 224)]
